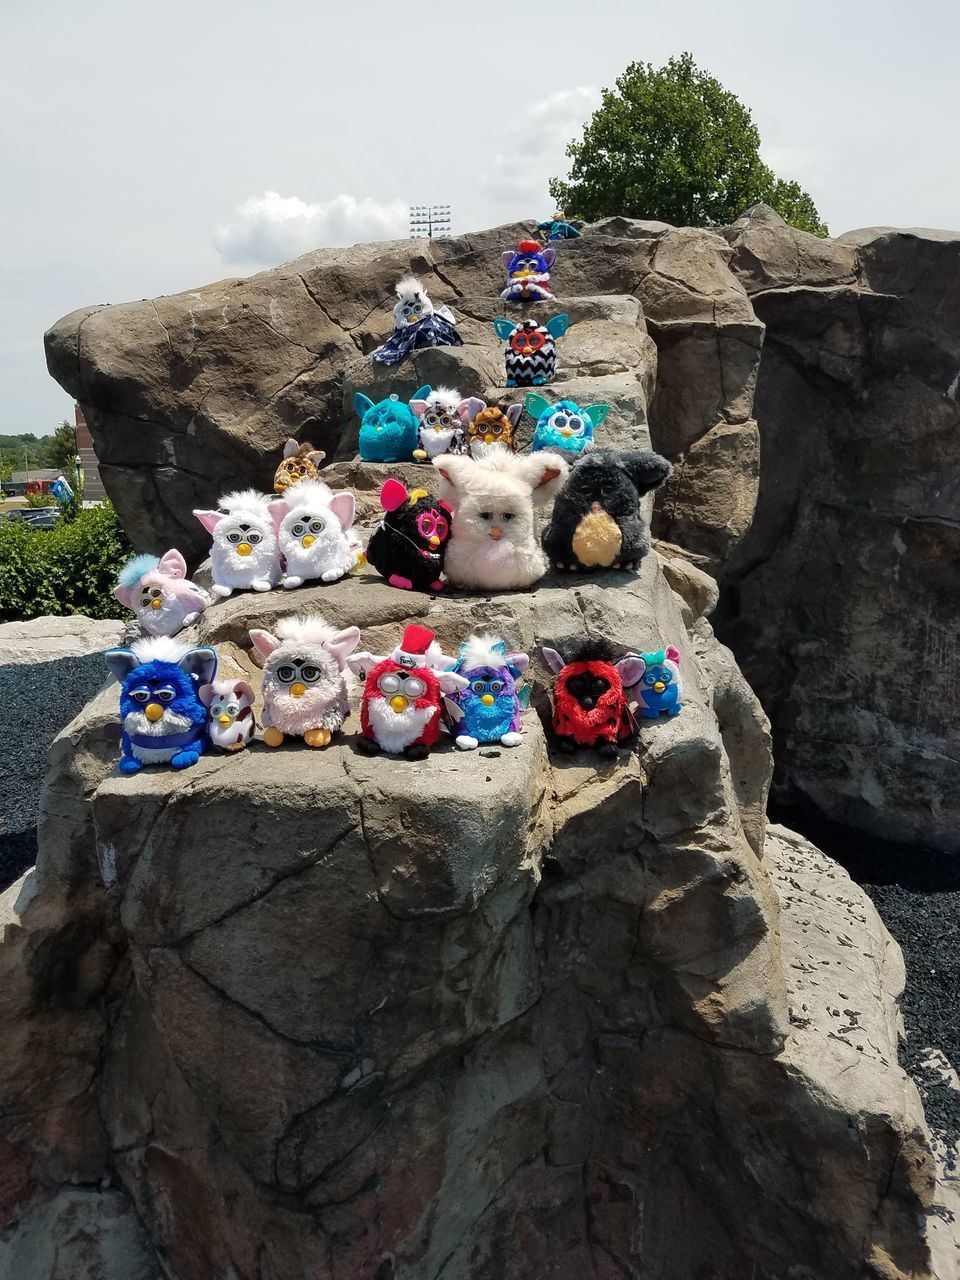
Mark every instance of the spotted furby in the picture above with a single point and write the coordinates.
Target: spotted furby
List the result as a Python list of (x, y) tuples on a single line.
[(590, 703), (299, 462), (528, 272), (389, 429), (491, 424), (488, 709), (304, 688), (400, 711), (164, 720), (245, 554), (409, 545), (229, 704), (417, 323), (441, 415), (659, 689), (596, 521), (315, 533), (530, 356), (563, 425), (159, 592)]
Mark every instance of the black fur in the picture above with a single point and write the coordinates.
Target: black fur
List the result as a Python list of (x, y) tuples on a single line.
[(396, 545), (616, 481), (589, 649)]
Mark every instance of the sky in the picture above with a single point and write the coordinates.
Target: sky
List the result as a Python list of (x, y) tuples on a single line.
[(148, 148)]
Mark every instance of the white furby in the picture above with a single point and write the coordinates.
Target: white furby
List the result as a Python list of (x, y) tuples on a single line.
[(245, 553), (315, 533)]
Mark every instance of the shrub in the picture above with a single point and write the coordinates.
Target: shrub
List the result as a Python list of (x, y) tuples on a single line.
[(69, 569)]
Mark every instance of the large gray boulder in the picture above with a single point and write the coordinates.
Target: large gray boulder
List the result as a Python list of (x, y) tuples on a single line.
[(494, 1015)]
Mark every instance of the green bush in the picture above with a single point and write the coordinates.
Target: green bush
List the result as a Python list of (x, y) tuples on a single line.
[(71, 568)]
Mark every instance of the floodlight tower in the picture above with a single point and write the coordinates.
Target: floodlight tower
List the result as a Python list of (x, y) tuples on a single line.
[(429, 221)]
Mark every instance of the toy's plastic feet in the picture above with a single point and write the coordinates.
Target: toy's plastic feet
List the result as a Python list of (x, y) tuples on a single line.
[(261, 584), (190, 619), (416, 751), (405, 584), (317, 737), (129, 764), (674, 711), (367, 746), (511, 739), (292, 581), (420, 454), (235, 746), (220, 592), (466, 743), (608, 749), (332, 575), (184, 759), (436, 586), (272, 737)]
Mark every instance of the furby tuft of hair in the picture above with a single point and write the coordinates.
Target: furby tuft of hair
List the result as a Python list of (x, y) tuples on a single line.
[(135, 568), (409, 288), (308, 629), (589, 649), (486, 650), (159, 649), (309, 492), (243, 500)]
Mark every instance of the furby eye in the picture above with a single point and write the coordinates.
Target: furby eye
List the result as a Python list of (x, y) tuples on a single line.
[(576, 424), (560, 421), (427, 525), (140, 695), (299, 528), (165, 695), (310, 673), (316, 526), (507, 516), (414, 687), (233, 709), (442, 527), (606, 490), (665, 676), (599, 685), (496, 429), (484, 515), (389, 684), (254, 538), (287, 673), (234, 537), (496, 686), (650, 678), (478, 686)]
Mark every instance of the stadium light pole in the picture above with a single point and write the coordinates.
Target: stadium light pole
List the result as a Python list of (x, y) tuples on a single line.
[(429, 221)]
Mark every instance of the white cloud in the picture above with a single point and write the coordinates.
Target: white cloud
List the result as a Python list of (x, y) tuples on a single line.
[(535, 146), (270, 228)]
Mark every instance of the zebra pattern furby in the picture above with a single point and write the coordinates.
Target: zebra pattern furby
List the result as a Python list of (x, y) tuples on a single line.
[(530, 355)]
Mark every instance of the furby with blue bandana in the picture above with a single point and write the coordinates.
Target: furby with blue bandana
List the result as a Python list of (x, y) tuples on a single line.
[(488, 709), (417, 323), (164, 720)]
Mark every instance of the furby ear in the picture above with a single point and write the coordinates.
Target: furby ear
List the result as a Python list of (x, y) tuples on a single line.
[(549, 256), (553, 659), (243, 690), (544, 472), (646, 469), (453, 468), (263, 642), (473, 405), (205, 694), (200, 663), (316, 456), (537, 405), (290, 448), (518, 662), (446, 506), (421, 393), (557, 326), (361, 663), (503, 328), (342, 645), (209, 519), (278, 511), (630, 668), (121, 662), (393, 494), (596, 413), (513, 412), (344, 507), (125, 595), (173, 564), (418, 407), (451, 682), (673, 654), (361, 403), (507, 258)]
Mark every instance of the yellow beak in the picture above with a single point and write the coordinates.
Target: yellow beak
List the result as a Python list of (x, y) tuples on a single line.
[(154, 712), (398, 703), (156, 604), (308, 541), (298, 690), (434, 541), (244, 548), (225, 721), (488, 439), (566, 432), (414, 317), (659, 687), (487, 699)]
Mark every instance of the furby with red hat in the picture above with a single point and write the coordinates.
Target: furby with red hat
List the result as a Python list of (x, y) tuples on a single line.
[(528, 272), (400, 711)]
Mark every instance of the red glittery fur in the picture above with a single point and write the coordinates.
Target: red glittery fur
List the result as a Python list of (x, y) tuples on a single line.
[(609, 720)]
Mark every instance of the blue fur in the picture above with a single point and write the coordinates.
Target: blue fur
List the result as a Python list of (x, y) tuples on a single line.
[(388, 430), (134, 569), (155, 675), (651, 703), (546, 436)]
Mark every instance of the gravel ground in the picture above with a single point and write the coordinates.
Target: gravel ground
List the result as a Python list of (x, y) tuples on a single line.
[(917, 893)]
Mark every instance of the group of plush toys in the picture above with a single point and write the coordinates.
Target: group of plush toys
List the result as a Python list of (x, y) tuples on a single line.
[(173, 709)]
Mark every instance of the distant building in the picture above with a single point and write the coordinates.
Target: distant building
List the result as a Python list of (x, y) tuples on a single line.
[(93, 490), (36, 480)]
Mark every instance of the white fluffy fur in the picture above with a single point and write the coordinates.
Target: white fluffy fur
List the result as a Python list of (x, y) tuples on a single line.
[(479, 651), (332, 555), (159, 649), (260, 570), (396, 730), (446, 399), (482, 491), (408, 290), (326, 703)]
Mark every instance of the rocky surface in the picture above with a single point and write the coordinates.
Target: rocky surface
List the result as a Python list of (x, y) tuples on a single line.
[(497, 1014), (843, 600)]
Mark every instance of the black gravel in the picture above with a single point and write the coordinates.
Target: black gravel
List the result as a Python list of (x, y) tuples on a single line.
[(916, 890), (18, 853)]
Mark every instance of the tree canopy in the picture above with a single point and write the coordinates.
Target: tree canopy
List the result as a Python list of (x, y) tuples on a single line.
[(674, 145)]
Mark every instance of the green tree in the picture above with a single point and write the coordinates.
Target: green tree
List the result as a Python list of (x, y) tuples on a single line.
[(61, 449), (673, 144)]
